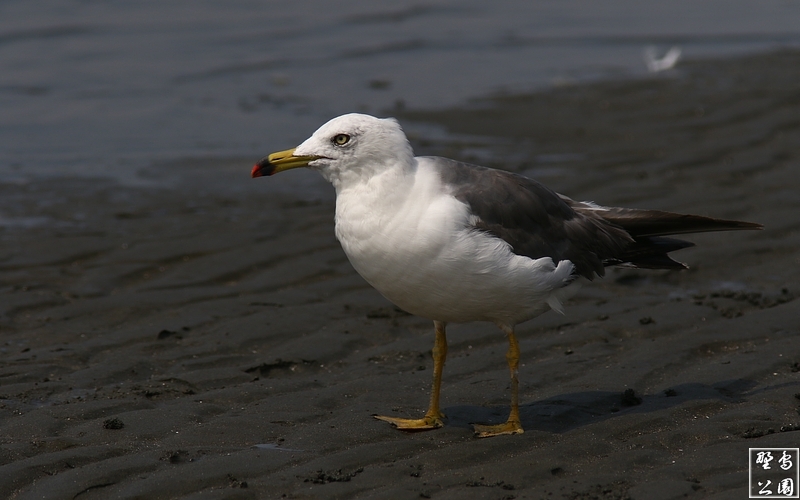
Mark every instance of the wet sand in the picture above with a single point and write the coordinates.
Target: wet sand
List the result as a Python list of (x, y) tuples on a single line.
[(188, 342)]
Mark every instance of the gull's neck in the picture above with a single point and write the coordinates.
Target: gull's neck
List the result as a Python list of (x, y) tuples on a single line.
[(361, 198), (374, 173), (369, 206)]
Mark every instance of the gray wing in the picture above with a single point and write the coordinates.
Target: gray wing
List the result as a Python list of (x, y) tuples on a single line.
[(533, 219), (538, 222)]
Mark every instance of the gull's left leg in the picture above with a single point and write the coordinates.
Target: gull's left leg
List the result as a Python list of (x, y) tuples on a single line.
[(512, 425), (433, 417)]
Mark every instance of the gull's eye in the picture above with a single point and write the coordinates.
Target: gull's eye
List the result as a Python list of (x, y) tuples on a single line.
[(341, 139)]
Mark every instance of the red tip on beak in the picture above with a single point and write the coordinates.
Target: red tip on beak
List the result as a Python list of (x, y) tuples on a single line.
[(256, 171)]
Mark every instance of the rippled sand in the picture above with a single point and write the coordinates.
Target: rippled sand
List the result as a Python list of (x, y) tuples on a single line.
[(162, 342)]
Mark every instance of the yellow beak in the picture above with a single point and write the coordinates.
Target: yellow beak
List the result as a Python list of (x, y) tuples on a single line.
[(280, 161)]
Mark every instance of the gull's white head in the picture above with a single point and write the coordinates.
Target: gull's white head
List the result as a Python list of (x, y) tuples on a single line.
[(347, 148)]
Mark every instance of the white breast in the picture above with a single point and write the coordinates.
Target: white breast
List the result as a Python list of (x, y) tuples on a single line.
[(413, 242)]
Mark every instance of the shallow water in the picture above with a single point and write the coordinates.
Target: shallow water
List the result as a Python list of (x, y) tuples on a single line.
[(94, 88)]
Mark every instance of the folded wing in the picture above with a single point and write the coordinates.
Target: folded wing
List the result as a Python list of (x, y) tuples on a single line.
[(537, 222)]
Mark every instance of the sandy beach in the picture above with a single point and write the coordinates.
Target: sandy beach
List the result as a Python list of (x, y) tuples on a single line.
[(176, 340)]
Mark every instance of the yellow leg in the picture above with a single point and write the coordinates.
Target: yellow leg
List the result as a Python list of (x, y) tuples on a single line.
[(512, 425), (433, 417)]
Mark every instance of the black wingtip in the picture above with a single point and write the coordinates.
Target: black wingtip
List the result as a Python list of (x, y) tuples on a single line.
[(642, 223)]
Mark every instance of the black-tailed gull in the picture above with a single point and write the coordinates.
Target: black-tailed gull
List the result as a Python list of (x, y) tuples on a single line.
[(454, 242)]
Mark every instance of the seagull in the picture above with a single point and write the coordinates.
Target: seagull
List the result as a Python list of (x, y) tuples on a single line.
[(454, 242), (656, 64)]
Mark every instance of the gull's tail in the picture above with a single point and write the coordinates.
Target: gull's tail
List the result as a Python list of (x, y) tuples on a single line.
[(649, 228)]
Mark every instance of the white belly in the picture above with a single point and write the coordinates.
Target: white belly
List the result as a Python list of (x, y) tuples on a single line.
[(424, 257)]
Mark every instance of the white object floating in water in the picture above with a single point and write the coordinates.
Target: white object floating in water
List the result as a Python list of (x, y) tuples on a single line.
[(655, 64)]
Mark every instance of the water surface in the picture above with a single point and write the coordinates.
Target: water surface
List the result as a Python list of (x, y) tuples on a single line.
[(106, 88)]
